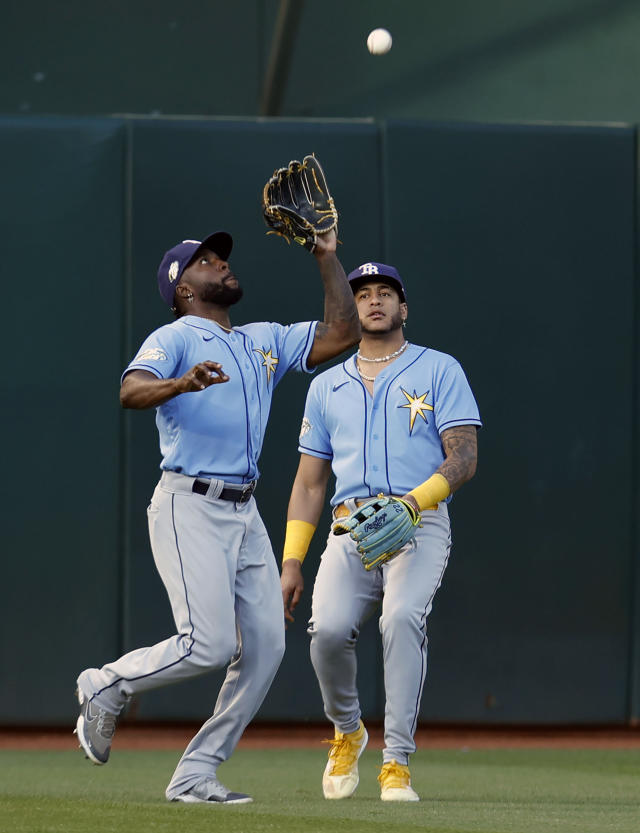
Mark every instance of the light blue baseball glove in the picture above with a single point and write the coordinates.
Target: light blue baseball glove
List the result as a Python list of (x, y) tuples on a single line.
[(380, 527)]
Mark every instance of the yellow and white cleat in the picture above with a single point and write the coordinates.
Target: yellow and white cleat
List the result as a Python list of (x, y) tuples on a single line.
[(341, 777), (395, 783)]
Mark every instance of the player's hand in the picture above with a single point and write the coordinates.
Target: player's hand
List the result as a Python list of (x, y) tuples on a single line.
[(412, 501), (201, 376), (292, 585), (326, 242)]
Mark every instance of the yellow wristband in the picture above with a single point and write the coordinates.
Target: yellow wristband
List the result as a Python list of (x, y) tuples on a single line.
[(297, 540), (429, 494)]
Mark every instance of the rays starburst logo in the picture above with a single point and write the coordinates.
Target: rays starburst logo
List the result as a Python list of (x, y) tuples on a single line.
[(269, 361), (416, 405)]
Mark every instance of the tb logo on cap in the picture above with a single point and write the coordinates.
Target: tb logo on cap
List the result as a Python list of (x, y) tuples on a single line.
[(369, 269)]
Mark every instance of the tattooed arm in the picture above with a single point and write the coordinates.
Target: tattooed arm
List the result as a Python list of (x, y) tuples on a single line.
[(341, 326), (460, 446)]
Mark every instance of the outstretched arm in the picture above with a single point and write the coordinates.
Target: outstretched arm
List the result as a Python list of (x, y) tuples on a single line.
[(340, 328), (141, 389), (305, 508)]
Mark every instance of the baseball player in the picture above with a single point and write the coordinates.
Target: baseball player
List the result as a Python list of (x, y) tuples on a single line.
[(394, 419), (211, 385)]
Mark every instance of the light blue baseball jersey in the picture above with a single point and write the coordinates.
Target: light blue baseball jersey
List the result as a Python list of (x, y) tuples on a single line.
[(218, 432), (388, 442)]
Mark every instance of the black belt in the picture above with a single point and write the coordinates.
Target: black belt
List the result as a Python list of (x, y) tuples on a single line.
[(239, 494)]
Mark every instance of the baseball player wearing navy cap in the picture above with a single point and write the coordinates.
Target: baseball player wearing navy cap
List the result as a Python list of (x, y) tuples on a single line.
[(394, 419), (211, 385)]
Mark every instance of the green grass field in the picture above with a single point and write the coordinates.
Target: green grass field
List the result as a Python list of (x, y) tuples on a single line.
[(484, 791)]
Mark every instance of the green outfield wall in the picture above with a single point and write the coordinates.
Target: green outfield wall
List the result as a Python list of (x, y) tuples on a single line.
[(517, 244), (531, 60)]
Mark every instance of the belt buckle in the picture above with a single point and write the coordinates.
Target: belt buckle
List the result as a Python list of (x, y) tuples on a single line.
[(247, 491)]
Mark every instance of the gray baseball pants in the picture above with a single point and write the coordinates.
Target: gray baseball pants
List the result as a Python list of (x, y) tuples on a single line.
[(345, 595), (216, 561)]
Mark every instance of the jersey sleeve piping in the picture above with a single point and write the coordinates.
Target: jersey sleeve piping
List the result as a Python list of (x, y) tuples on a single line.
[(455, 422), (146, 367), (314, 452), (307, 348)]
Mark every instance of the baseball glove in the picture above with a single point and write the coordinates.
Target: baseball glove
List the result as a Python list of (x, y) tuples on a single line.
[(380, 527), (297, 205)]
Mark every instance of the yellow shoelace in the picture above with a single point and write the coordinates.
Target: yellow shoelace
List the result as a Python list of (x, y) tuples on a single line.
[(344, 753), (394, 776)]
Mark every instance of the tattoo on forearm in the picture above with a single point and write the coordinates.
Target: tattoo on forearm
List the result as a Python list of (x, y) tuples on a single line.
[(460, 446), (338, 297), (321, 330)]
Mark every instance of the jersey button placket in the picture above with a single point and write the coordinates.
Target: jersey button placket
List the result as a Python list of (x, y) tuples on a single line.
[(373, 448)]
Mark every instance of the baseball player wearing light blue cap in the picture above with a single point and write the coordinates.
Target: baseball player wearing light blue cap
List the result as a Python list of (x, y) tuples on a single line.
[(394, 419), (211, 385)]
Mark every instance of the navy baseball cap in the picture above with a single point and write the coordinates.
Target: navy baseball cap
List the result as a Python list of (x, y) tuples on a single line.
[(176, 260), (373, 271)]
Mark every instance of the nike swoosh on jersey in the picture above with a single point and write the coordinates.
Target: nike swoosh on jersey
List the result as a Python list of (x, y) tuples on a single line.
[(340, 384)]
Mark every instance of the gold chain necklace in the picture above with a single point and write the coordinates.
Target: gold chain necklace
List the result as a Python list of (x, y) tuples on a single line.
[(384, 358)]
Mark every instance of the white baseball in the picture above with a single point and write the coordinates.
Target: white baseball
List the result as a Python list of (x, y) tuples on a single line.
[(379, 41)]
